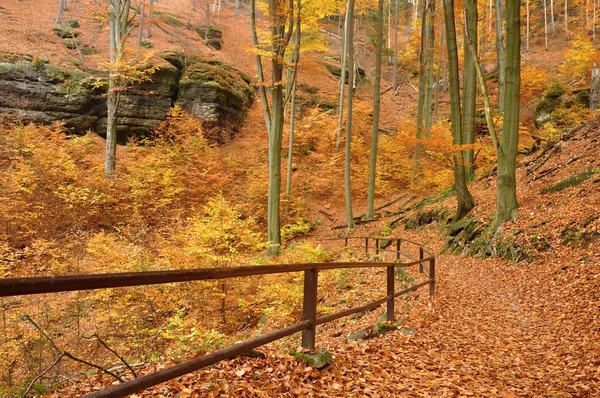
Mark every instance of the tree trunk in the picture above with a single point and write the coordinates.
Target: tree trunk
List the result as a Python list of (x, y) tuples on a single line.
[(343, 74), (376, 107), (348, 156), (62, 5), (430, 55), (295, 59), (506, 204), (546, 24), (501, 58), (119, 12), (140, 29), (469, 86), (237, 9), (552, 24), (396, 46), (528, 32), (463, 196), (595, 88), (422, 91), (566, 20)]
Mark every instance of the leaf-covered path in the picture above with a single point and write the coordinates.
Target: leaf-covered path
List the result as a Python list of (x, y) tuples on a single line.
[(494, 329)]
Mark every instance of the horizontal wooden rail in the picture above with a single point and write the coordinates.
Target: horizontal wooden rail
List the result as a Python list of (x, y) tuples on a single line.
[(55, 284), (40, 285), (141, 383)]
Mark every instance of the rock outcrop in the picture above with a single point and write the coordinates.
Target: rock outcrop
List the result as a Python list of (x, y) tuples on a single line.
[(210, 90)]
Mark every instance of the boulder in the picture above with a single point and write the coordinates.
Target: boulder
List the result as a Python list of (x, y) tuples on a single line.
[(47, 94), (216, 94)]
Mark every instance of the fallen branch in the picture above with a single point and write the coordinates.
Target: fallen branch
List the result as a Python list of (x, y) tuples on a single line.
[(36, 378), (95, 335), (67, 354)]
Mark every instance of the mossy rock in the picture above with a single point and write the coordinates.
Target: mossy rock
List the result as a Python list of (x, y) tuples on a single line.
[(425, 217), (169, 19), (337, 71), (379, 328), (318, 360), (146, 44), (73, 23), (213, 32), (551, 101), (72, 44), (89, 50), (572, 181), (65, 32)]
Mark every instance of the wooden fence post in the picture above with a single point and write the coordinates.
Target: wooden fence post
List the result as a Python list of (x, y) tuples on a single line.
[(432, 276), (390, 292), (309, 309), (398, 242), (366, 245), (421, 258), (377, 246)]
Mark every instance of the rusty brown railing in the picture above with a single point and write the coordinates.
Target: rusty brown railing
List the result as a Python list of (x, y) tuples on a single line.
[(308, 324)]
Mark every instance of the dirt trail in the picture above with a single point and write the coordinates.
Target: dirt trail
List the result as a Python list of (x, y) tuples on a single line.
[(485, 334)]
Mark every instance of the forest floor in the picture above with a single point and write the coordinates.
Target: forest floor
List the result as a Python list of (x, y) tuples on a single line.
[(493, 329)]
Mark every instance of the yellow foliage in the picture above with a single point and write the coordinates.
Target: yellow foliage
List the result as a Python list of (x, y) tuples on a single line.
[(579, 59)]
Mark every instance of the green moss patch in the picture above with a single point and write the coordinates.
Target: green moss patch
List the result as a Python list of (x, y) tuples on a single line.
[(572, 181)]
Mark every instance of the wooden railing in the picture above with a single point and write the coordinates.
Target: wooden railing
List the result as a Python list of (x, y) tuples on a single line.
[(308, 324)]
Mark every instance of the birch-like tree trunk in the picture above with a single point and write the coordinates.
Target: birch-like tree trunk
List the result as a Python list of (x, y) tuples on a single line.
[(62, 5), (348, 155), (566, 12), (507, 207), (376, 107), (552, 24), (343, 77), (396, 46), (293, 79), (422, 89), (546, 24)]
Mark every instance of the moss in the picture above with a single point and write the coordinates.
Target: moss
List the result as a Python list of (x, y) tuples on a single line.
[(317, 360), (214, 73), (73, 23), (169, 19), (308, 88), (146, 44), (552, 99), (65, 32), (72, 44), (572, 181), (89, 50)]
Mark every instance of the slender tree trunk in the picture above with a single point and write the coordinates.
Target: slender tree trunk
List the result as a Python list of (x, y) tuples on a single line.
[(237, 9), (552, 24), (206, 23), (389, 31), (415, 14), (595, 88), (507, 205), (376, 108), (118, 19), (594, 22), (463, 196), (422, 90), (294, 80), (528, 32), (396, 46), (140, 29), (469, 86), (501, 59), (348, 154), (62, 5), (546, 24), (566, 21), (343, 75), (262, 90), (430, 56)]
